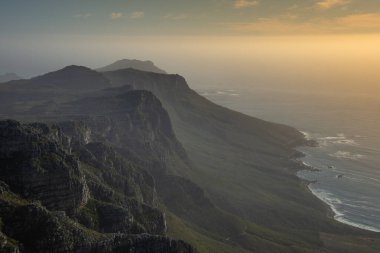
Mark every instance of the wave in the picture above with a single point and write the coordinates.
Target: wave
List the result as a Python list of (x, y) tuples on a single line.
[(307, 135), (332, 201), (306, 164), (354, 224), (230, 92), (347, 155), (338, 139)]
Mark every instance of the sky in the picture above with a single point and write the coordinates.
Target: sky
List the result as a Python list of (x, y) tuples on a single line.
[(189, 17), (210, 42)]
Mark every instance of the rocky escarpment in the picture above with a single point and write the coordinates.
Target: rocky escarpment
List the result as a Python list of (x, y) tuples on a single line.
[(30, 227), (139, 128), (62, 193), (36, 167), (134, 122)]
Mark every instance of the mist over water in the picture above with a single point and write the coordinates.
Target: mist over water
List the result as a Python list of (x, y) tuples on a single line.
[(348, 156), (331, 91)]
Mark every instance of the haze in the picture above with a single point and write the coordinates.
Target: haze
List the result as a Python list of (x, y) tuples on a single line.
[(314, 45)]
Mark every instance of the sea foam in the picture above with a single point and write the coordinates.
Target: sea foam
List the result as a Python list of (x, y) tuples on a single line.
[(332, 201), (347, 155)]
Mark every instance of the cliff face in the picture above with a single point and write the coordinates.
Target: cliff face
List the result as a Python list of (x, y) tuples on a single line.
[(64, 193), (133, 122), (37, 167)]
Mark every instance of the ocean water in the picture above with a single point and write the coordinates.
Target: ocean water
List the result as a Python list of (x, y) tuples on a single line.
[(347, 128)]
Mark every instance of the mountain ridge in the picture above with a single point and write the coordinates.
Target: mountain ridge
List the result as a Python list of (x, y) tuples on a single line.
[(226, 181)]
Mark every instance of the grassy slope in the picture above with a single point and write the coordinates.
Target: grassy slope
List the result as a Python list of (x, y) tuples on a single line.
[(243, 164)]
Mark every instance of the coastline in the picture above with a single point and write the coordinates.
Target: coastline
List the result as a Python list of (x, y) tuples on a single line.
[(337, 216)]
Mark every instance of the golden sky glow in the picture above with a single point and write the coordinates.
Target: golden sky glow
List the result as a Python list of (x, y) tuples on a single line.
[(310, 43)]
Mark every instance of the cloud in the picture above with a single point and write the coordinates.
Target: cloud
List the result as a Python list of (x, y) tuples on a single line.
[(358, 23), (176, 16), (271, 26), (245, 4), (361, 21), (116, 15), (83, 15), (137, 14), (328, 4)]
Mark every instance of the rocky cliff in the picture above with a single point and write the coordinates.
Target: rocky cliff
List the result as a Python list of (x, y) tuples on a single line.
[(65, 193)]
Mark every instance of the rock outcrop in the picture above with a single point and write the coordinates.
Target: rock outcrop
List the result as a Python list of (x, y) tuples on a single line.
[(36, 167), (62, 192)]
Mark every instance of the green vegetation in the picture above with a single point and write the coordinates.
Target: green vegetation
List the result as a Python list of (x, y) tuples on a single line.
[(13, 199), (201, 239), (226, 181), (244, 165)]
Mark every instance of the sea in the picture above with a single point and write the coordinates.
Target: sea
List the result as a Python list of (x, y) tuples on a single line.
[(347, 129)]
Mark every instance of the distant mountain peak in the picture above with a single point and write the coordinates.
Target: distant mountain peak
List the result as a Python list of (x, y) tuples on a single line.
[(75, 68), (72, 69), (73, 77), (9, 77), (148, 66)]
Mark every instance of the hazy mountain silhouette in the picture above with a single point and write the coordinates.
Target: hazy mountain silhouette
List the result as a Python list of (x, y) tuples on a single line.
[(9, 77), (134, 64), (72, 77)]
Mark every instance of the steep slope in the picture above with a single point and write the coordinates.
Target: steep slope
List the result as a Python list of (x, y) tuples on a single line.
[(245, 165), (86, 194), (136, 124), (134, 64)]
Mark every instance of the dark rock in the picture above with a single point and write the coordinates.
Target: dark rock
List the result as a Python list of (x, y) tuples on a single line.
[(46, 174), (36, 167)]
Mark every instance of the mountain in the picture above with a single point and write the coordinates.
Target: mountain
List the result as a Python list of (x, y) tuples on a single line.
[(8, 77), (144, 144), (50, 89), (62, 191), (134, 64), (246, 167), (69, 78)]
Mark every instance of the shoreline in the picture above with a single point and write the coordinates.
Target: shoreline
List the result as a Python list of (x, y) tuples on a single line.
[(338, 216)]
